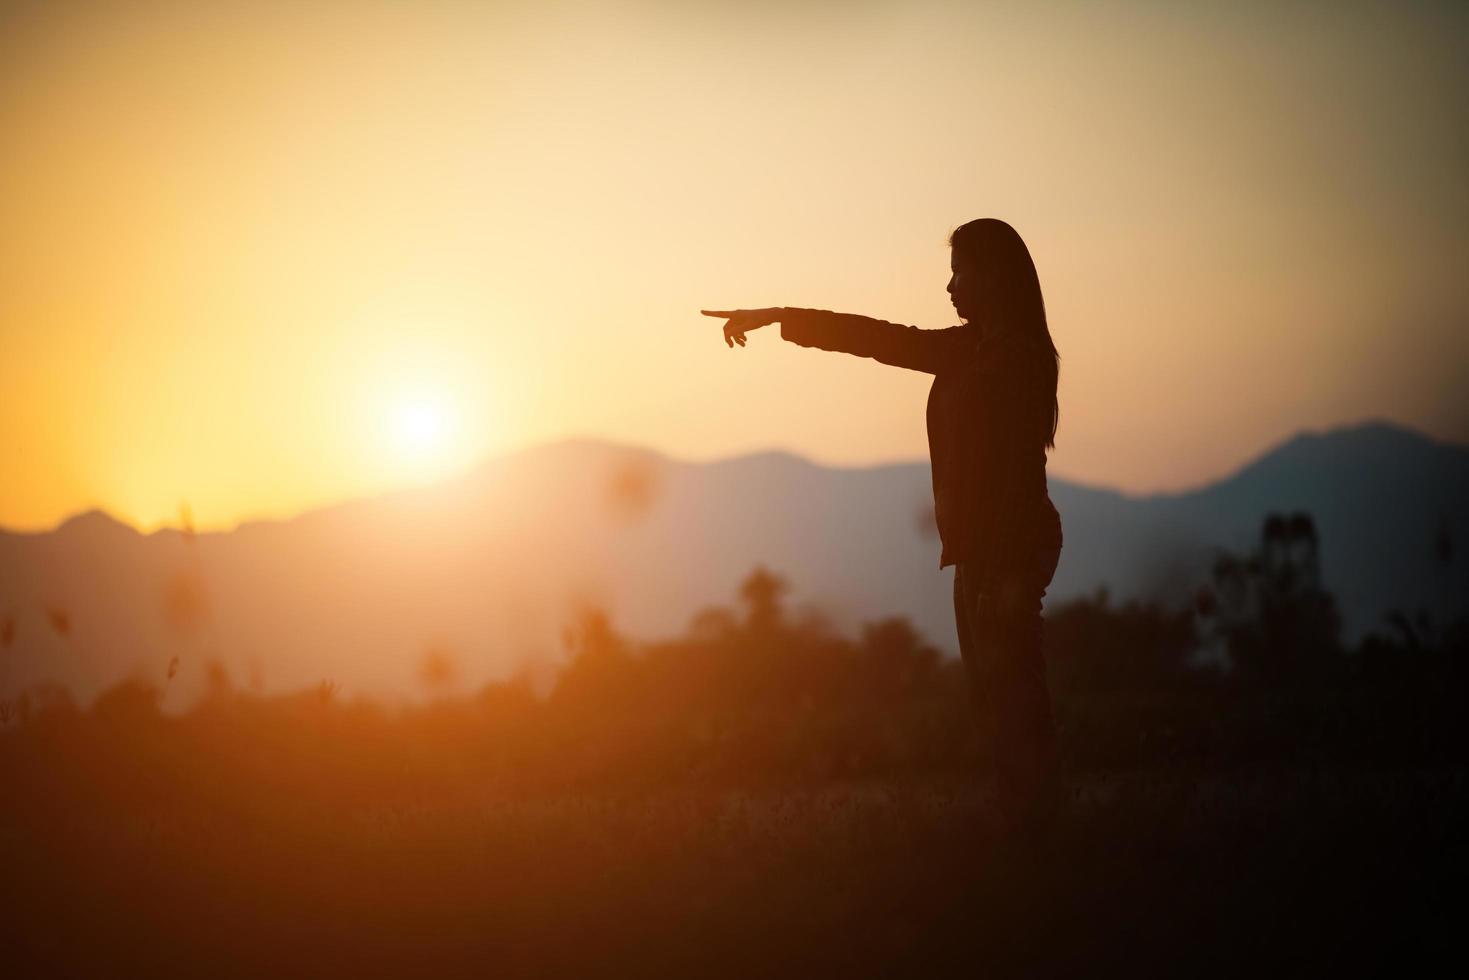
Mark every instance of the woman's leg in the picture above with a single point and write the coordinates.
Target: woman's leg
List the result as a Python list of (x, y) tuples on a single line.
[(974, 655), (1027, 769), (1006, 670), (964, 603)]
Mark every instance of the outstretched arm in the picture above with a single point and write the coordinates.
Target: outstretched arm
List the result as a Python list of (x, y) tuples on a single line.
[(850, 333), (865, 336)]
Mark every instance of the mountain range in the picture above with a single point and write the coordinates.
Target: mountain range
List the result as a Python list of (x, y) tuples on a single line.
[(483, 572)]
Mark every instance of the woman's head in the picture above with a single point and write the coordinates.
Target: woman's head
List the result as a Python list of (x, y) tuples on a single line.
[(993, 282), (994, 279)]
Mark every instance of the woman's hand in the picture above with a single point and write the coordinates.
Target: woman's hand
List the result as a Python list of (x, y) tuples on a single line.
[(743, 320)]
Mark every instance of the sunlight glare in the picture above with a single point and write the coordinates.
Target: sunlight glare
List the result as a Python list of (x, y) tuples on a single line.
[(420, 428)]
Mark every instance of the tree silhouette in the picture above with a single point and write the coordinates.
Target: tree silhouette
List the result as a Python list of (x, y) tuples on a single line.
[(713, 623), (438, 668), (762, 591), (896, 656), (1276, 621), (601, 668)]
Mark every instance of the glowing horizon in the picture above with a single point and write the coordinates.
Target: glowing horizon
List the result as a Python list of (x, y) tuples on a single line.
[(243, 242)]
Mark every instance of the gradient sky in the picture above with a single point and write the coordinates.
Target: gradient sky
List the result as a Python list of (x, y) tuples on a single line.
[(262, 257)]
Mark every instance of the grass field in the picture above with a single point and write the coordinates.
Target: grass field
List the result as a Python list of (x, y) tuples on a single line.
[(753, 804), (1261, 872)]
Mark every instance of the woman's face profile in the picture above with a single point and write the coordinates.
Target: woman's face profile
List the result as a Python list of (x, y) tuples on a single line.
[(966, 289)]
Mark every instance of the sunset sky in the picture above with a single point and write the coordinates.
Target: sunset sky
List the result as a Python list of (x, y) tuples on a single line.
[(266, 256)]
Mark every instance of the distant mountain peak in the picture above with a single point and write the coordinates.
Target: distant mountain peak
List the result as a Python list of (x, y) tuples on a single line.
[(592, 447), (94, 521), (1372, 436), (1370, 441), (570, 446), (1380, 429), (772, 456)]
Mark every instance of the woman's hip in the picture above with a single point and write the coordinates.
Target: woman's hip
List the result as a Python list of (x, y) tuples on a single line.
[(1030, 567)]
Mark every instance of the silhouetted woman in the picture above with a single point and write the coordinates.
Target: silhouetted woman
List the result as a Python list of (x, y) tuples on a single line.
[(992, 414)]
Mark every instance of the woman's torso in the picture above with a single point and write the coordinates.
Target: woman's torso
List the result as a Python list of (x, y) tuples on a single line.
[(988, 417)]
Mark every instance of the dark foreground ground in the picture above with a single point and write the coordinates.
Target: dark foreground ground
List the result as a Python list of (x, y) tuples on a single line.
[(1262, 873)]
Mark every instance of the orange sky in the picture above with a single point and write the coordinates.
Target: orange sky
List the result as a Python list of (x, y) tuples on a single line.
[(262, 256)]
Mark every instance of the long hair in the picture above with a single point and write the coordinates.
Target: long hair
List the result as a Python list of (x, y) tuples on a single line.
[(989, 243)]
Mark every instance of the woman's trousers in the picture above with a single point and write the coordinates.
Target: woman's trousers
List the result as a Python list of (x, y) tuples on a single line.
[(1000, 644)]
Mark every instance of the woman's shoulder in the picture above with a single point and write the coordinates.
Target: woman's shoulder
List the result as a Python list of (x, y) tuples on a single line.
[(1009, 353)]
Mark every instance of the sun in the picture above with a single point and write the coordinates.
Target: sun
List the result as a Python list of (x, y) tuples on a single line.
[(420, 428)]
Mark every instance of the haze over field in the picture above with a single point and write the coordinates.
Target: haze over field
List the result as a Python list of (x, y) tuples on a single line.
[(265, 257), (484, 573)]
